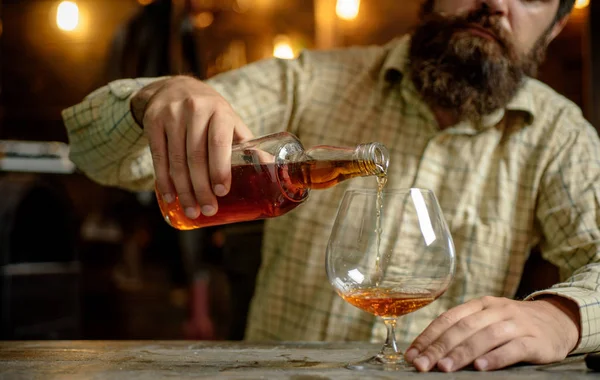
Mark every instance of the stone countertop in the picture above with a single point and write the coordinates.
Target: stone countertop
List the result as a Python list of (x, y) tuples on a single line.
[(229, 360)]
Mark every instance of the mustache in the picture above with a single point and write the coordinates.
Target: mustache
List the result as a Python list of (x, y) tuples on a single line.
[(480, 19)]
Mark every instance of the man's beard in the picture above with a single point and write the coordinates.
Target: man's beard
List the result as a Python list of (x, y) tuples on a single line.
[(470, 75)]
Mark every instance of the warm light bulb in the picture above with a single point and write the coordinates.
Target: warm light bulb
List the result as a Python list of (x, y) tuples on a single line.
[(283, 48), (67, 16), (347, 9), (580, 4), (203, 20)]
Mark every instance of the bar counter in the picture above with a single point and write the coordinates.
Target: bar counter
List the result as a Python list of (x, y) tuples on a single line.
[(132, 360)]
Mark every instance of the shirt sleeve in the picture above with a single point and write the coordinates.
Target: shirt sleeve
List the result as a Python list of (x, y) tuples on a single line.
[(105, 142), (108, 146), (568, 213)]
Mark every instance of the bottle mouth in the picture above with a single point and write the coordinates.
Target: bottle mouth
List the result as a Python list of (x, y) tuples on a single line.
[(375, 158)]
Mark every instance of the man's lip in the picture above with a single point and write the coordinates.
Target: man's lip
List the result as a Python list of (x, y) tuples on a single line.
[(480, 31)]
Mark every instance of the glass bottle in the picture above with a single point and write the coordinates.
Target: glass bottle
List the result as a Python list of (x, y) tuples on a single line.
[(274, 174)]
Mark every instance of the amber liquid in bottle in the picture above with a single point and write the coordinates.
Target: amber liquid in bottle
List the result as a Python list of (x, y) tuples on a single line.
[(387, 302), (267, 190)]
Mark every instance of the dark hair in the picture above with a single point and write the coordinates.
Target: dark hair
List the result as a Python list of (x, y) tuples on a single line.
[(564, 8)]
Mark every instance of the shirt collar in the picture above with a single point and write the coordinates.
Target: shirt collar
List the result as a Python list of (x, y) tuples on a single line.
[(395, 68)]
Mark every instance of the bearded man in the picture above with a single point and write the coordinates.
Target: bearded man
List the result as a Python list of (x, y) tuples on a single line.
[(513, 164)]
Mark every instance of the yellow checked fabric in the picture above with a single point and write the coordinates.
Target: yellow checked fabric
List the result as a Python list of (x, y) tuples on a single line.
[(528, 175)]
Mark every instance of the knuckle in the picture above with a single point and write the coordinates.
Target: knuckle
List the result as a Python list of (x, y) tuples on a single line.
[(192, 103), (197, 157), (437, 349), (219, 140), (475, 304), (167, 112), (168, 115), (467, 324), (462, 354), (487, 301), (177, 161), (157, 155), (447, 319)]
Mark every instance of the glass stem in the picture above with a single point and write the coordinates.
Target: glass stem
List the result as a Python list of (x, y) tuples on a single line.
[(390, 348)]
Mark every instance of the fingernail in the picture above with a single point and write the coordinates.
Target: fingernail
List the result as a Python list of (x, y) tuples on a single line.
[(220, 190), (481, 364), (422, 363), (208, 210), (411, 354), (191, 212), (446, 364), (168, 198)]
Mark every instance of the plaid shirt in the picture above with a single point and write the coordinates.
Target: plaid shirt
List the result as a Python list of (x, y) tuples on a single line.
[(525, 176)]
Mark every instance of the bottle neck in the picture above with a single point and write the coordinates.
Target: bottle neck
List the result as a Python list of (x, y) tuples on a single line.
[(323, 167), (372, 159)]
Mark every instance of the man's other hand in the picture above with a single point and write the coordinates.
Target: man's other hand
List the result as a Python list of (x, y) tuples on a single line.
[(493, 333)]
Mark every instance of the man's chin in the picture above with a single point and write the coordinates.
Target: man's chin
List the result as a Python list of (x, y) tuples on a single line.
[(470, 94)]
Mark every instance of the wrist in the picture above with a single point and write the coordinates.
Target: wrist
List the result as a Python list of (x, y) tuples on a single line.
[(137, 106), (567, 314), (139, 101)]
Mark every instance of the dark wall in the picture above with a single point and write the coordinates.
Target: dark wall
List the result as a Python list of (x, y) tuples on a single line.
[(45, 69)]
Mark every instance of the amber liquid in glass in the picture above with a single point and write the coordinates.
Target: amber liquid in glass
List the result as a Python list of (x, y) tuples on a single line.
[(387, 302), (266, 190)]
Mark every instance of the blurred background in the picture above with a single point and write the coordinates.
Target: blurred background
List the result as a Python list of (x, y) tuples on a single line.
[(80, 261)]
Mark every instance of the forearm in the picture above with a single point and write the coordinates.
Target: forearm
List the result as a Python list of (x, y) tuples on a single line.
[(105, 142)]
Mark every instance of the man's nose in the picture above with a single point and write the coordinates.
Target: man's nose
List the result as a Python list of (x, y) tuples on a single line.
[(496, 7)]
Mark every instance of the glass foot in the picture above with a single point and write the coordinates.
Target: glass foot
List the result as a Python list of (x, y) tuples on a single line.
[(383, 363)]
